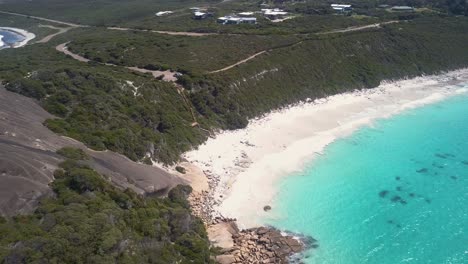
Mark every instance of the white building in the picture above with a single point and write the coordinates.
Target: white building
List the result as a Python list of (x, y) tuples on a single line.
[(201, 15), (245, 14), (163, 13), (403, 8), (229, 20), (274, 14), (341, 8)]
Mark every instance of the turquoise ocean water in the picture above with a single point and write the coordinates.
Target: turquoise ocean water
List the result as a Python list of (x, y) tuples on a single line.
[(396, 192)]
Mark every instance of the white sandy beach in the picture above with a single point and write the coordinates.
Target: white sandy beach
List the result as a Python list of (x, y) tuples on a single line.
[(28, 36), (250, 161)]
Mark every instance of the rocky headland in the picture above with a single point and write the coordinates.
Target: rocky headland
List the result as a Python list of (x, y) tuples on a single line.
[(253, 245)]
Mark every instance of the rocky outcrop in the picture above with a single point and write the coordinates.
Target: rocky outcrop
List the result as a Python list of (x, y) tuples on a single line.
[(250, 246), (261, 245), (28, 159)]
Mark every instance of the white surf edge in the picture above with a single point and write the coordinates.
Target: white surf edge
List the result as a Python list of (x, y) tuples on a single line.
[(249, 162), (28, 36)]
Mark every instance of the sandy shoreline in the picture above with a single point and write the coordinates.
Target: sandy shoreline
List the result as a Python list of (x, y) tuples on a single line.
[(247, 163), (28, 36)]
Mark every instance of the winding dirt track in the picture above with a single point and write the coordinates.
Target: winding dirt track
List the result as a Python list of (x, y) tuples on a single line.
[(168, 76), (239, 62), (51, 36), (359, 28), (345, 30), (174, 33), (44, 19), (63, 48)]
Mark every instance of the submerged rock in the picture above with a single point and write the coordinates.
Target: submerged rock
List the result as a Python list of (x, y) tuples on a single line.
[(383, 193), (423, 170), (266, 208), (442, 156)]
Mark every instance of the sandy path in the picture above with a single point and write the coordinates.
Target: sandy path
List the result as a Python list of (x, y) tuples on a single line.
[(63, 48), (174, 33), (168, 76), (239, 62), (44, 19), (350, 29), (51, 36)]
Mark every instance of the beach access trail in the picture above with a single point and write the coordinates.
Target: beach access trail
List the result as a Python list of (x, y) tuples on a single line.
[(167, 75)]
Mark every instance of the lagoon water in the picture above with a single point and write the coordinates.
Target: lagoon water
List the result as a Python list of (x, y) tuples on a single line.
[(395, 192), (8, 38)]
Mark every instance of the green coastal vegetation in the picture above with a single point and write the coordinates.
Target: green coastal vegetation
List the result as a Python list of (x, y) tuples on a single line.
[(88, 220), (134, 114)]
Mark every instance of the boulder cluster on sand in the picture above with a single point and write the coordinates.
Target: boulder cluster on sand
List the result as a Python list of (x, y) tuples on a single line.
[(256, 245), (260, 245)]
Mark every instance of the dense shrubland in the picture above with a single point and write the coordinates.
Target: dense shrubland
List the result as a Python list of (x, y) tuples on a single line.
[(331, 64), (96, 105), (106, 112)]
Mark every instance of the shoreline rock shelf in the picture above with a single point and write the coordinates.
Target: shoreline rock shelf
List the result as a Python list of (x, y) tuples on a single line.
[(261, 245), (255, 245)]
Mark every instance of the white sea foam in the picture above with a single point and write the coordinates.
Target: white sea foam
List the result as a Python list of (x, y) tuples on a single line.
[(249, 161)]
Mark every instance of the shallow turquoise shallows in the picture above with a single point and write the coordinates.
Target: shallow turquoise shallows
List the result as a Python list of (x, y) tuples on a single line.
[(396, 192)]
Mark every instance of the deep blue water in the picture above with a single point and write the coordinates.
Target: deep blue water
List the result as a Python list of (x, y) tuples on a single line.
[(10, 37), (396, 192)]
